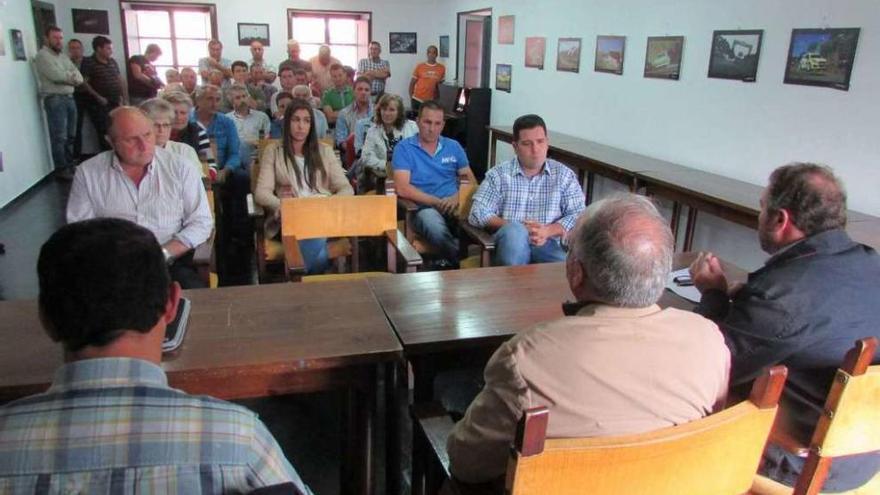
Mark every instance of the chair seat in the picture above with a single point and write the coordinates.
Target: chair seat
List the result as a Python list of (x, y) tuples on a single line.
[(763, 485), (336, 248), (336, 277)]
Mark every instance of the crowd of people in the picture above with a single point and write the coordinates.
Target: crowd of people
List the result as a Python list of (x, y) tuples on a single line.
[(620, 364)]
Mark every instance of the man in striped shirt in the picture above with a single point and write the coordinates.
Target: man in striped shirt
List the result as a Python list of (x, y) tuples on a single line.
[(110, 423), (530, 202)]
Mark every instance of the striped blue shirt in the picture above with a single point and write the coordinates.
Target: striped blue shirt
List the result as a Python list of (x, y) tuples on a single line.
[(113, 425), (552, 196)]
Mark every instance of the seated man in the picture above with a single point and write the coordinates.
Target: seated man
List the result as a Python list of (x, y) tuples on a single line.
[(149, 186), (530, 202), (277, 126), (620, 365), (805, 308), (426, 170), (359, 109), (242, 76), (334, 99), (251, 125), (110, 422)]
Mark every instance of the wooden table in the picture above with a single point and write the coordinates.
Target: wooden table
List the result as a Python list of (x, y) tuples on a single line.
[(253, 341)]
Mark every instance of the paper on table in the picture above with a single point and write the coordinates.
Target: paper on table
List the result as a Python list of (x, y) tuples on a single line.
[(688, 292)]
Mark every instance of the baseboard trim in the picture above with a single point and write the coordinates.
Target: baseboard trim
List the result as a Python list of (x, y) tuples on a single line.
[(10, 206)]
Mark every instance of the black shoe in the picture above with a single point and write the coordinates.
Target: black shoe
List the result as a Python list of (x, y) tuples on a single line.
[(64, 174)]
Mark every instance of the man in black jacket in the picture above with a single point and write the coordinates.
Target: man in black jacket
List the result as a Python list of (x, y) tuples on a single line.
[(814, 297)]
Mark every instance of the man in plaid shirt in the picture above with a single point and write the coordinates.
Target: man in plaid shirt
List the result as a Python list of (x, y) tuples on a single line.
[(530, 202), (375, 69), (110, 423)]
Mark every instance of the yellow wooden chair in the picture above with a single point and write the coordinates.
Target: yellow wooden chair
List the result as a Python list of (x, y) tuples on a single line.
[(205, 256), (850, 425), (715, 455)]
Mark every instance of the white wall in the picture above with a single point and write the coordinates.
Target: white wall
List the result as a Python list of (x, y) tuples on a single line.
[(22, 136)]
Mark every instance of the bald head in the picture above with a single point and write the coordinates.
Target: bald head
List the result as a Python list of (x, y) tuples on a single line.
[(131, 135), (621, 252)]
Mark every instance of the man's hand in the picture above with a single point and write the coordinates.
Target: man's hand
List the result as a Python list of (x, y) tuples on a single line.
[(706, 272), (101, 100), (448, 206), (538, 232)]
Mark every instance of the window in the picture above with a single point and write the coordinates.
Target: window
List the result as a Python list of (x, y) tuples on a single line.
[(182, 31), (347, 33)]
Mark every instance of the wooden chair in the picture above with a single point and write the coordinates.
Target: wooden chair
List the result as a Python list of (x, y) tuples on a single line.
[(718, 454), (204, 257), (269, 253), (850, 425), (343, 217)]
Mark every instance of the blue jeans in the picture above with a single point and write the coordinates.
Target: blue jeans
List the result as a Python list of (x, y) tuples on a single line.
[(314, 253), (61, 117), (512, 247), (436, 229)]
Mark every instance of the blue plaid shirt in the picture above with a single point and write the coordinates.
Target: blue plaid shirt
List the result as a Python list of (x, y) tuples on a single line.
[(114, 426), (552, 196)]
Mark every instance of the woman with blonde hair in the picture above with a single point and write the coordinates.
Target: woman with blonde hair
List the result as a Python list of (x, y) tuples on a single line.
[(389, 127)]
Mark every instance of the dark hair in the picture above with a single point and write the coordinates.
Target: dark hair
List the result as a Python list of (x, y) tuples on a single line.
[(99, 278), (238, 63), (376, 43), (282, 95), (284, 69), (311, 150), (336, 67), (812, 195), (525, 122), (51, 29), (297, 72), (360, 80), (100, 42), (74, 40), (430, 105)]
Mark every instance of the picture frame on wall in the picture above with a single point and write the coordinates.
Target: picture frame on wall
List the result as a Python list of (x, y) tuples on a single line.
[(249, 32), (506, 25), (535, 50), (735, 54), (18, 52), (568, 55), (444, 46), (821, 57), (663, 57), (503, 75), (402, 43), (609, 54), (90, 21)]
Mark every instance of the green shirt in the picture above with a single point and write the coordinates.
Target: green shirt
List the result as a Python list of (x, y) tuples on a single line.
[(337, 99)]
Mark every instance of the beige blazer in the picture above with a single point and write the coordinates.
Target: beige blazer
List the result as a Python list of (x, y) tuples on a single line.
[(276, 174)]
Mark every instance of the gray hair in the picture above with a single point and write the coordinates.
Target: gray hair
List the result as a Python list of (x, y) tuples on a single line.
[(301, 89), (177, 98), (625, 248), (237, 88), (157, 108), (200, 91)]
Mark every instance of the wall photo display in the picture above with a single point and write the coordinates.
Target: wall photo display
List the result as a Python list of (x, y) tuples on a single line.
[(505, 29), (609, 54), (402, 43), (821, 57), (444, 46), (90, 21), (18, 52), (568, 55), (735, 54), (663, 57), (535, 50), (503, 74), (249, 32)]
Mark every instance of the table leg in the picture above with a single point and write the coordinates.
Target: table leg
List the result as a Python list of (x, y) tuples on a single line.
[(394, 394), (358, 417), (690, 228), (423, 391)]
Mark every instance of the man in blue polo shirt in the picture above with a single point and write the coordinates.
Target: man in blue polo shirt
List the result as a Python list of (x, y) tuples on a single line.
[(426, 169)]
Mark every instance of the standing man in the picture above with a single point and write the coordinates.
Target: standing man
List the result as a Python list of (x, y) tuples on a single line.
[(322, 63), (143, 81), (426, 79), (58, 77), (75, 52), (375, 70), (294, 61), (339, 96), (257, 59), (103, 83), (426, 170), (214, 61), (531, 203)]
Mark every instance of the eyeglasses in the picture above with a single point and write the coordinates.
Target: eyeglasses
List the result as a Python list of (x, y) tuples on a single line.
[(161, 125)]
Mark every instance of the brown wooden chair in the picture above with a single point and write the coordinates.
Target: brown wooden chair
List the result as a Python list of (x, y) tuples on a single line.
[(204, 256), (343, 217), (850, 425), (718, 454)]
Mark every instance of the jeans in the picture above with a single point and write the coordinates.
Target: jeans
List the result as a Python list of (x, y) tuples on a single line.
[(80, 114), (437, 230), (61, 117), (314, 252), (512, 247)]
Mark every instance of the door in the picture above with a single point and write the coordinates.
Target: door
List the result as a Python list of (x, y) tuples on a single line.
[(44, 16), (473, 54)]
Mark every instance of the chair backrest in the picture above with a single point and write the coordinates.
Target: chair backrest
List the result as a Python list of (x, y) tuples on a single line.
[(338, 216), (717, 454)]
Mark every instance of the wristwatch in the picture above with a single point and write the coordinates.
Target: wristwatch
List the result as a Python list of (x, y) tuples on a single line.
[(169, 259)]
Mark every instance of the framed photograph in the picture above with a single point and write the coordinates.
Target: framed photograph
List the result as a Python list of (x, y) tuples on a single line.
[(568, 55), (505, 29), (663, 57), (402, 43), (248, 33), (444, 46), (18, 52), (609, 54), (535, 48), (735, 54), (90, 21), (821, 57), (502, 77)]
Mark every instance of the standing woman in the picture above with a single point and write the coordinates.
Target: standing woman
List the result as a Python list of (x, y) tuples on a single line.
[(390, 125), (298, 167)]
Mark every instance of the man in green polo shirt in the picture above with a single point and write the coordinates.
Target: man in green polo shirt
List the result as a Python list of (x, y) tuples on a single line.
[(339, 96)]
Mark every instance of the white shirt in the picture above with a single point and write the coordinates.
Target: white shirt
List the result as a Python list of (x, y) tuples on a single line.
[(187, 152), (249, 126), (170, 200)]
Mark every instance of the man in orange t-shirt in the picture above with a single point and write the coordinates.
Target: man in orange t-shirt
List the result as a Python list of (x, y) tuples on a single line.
[(427, 76)]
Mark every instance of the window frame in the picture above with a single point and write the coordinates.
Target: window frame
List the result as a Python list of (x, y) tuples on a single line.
[(171, 8), (357, 15)]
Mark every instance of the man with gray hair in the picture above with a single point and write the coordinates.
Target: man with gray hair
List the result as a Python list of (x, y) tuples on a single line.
[(619, 365)]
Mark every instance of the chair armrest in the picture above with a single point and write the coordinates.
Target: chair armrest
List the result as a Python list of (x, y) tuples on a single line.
[(202, 253), (782, 436), (404, 248), (294, 265), (433, 424), (483, 237), (254, 210), (406, 204)]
